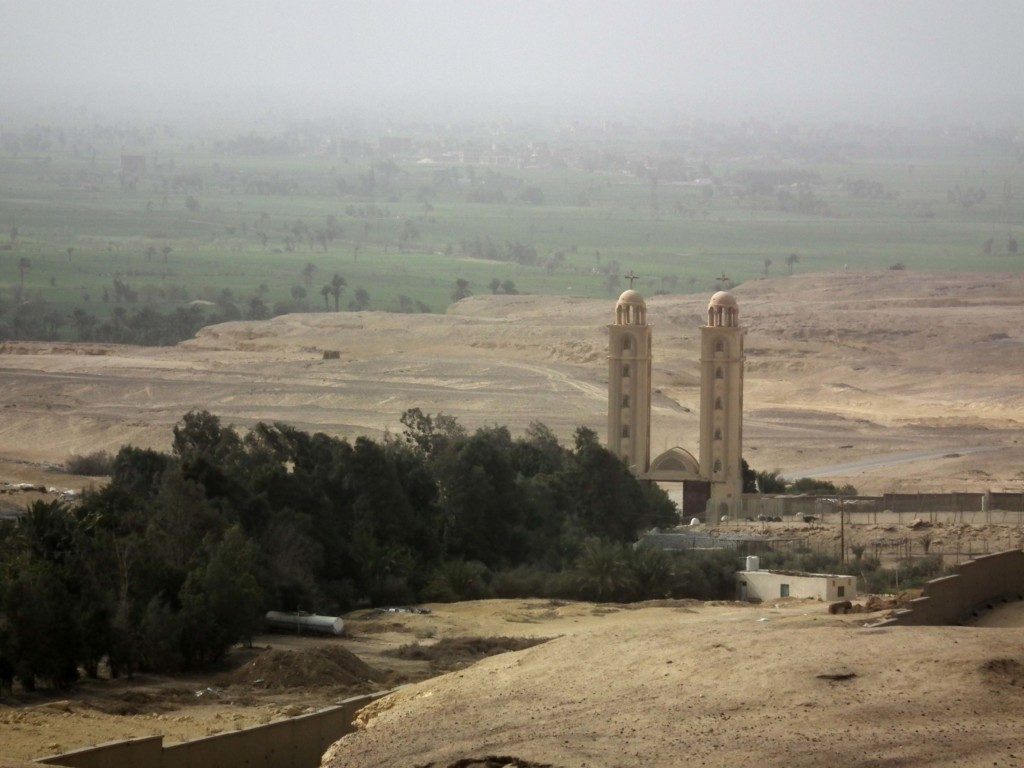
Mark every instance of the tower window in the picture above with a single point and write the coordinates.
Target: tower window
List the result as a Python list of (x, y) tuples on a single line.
[(625, 371), (719, 346), (718, 373), (625, 401), (718, 403), (625, 430), (718, 465), (627, 343), (718, 434)]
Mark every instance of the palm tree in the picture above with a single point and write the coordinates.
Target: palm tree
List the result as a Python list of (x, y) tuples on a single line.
[(338, 283), (326, 291), (461, 289), (257, 309), (84, 323), (307, 272), (24, 265), (791, 260), (54, 320), (767, 264), (361, 300), (602, 570)]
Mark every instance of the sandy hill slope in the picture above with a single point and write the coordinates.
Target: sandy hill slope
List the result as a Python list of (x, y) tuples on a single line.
[(842, 369), (715, 686)]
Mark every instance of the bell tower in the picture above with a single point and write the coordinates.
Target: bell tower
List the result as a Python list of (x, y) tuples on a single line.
[(721, 403), (629, 382)]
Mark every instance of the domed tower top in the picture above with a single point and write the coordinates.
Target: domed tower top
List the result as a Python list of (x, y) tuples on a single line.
[(631, 309), (723, 311)]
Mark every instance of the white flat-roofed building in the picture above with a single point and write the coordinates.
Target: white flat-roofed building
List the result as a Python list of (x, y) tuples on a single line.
[(759, 586)]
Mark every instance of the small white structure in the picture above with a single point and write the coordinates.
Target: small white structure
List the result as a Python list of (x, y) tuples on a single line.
[(757, 586)]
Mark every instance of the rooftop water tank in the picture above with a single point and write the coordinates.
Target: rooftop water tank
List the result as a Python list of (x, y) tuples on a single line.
[(753, 563)]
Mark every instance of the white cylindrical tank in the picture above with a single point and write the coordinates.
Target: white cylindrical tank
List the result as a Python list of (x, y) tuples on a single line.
[(305, 622), (753, 563)]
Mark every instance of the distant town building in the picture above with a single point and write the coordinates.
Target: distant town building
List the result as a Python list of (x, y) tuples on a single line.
[(396, 145)]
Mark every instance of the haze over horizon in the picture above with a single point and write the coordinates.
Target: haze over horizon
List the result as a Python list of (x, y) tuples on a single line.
[(908, 63)]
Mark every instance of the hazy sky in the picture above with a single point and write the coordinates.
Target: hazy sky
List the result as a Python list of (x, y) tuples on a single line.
[(821, 60)]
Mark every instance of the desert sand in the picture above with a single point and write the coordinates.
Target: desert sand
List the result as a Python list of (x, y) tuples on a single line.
[(723, 686), (892, 381), (660, 683)]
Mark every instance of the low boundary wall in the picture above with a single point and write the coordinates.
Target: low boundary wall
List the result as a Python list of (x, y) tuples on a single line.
[(976, 585), (973, 508), (297, 742)]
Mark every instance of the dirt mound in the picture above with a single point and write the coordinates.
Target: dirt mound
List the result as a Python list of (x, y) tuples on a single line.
[(890, 602), (685, 604), (1004, 672), (143, 702), (716, 688), (458, 652), (325, 666)]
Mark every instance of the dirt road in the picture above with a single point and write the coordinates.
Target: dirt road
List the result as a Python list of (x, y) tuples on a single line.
[(889, 460)]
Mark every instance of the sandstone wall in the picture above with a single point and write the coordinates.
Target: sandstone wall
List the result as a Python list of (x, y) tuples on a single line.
[(297, 742), (975, 586)]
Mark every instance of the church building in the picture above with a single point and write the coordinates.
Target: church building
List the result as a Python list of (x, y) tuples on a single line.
[(715, 482)]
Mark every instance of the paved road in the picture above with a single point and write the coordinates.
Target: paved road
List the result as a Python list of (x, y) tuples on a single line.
[(885, 460)]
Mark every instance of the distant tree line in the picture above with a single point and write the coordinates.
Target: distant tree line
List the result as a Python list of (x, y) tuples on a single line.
[(762, 481), (177, 557), (32, 318)]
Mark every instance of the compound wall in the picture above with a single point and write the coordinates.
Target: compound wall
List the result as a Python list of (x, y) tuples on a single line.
[(973, 508), (297, 742), (976, 585)]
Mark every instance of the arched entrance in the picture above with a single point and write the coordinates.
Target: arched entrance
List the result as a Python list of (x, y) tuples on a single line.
[(677, 465)]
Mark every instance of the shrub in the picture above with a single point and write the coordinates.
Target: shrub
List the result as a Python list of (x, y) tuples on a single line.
[(708, 575), (652, 572), (394, 590), (807, 560), (603, 573), (907, 575), (814, 485), (522, 582), (771, 482), (97, 464), (458, 580)]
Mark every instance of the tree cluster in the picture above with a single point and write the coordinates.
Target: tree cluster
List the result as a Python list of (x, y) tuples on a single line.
[(174, 560), (765, 481)]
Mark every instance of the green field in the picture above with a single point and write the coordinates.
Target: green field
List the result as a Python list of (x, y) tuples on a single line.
[(250, 224)]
